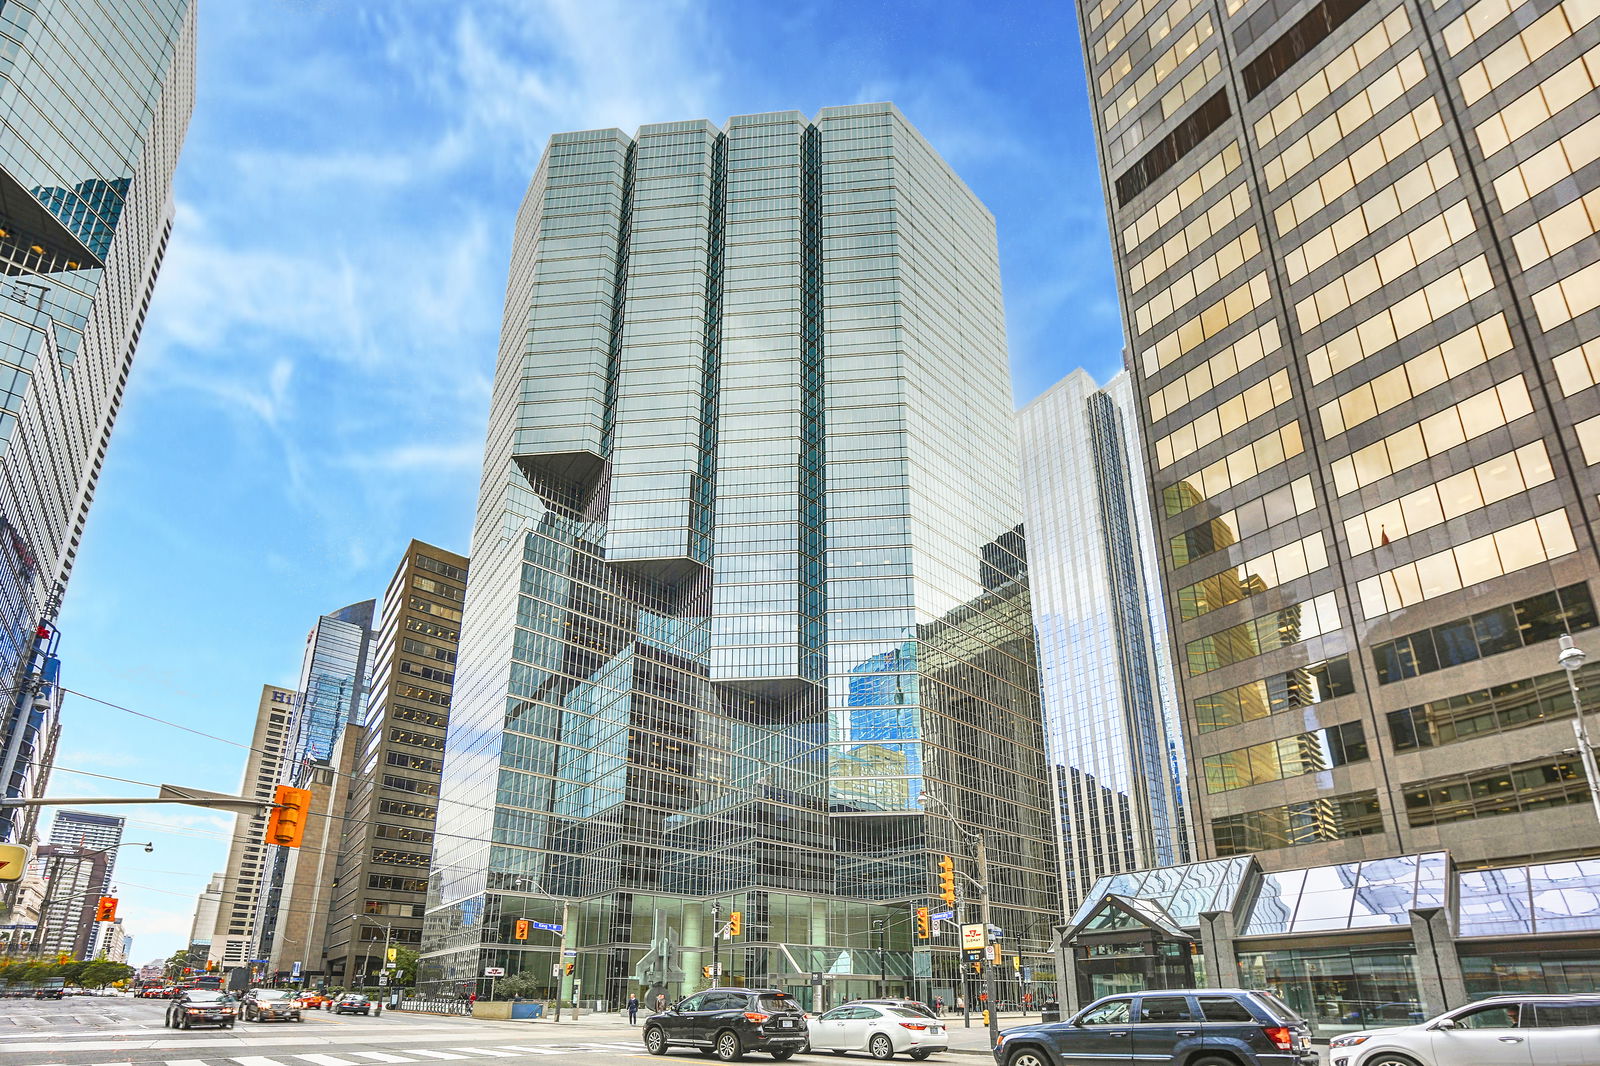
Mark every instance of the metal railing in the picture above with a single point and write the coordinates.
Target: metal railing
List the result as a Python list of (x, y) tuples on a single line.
[(449, 1005)]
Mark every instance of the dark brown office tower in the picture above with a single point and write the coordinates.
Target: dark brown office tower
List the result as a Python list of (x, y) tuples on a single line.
[(1355, 243)]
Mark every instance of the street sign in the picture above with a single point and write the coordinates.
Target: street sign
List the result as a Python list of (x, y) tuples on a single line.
[(569, 953), (555, 971), (972, 936), (943, 916), (494, 971), (383, 978), (549, 927), (294, 971), (13, 862)]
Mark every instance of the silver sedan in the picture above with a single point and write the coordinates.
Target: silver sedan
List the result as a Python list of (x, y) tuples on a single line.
[(880, 1031)]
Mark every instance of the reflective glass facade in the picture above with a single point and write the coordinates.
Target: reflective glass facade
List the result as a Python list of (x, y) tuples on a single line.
[(97, 95), (748, 577), (1105, 666), (1357, 253)]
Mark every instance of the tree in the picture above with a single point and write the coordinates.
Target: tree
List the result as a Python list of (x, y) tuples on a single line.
[(405, 967), (102, 972), (526, 984), (175, 965)]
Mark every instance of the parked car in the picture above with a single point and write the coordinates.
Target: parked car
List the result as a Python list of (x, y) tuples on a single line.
[(49, 993), (908, 1004), (1396, 1011), (352, 1003), (1199, 1027), (1513, 1030), (727, 1022), (200, 1006), (881, 1030), (270, 1005)]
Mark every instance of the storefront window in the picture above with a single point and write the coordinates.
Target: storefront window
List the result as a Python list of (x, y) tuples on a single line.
[(1493, 975), (1339, 988)]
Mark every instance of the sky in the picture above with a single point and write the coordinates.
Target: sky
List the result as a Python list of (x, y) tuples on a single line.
[(313, 381)]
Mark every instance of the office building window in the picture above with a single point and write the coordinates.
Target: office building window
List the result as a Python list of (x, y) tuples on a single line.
[(1478, 636)]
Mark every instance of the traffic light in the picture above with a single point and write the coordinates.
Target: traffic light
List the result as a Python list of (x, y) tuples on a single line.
[(569, 968), (287, 825), (521, 934), (106, 910), (1016, 962), (735, 922), (394, 953), (211, 965), (995, 956), (924, 927), (947, 879), (705, 971)]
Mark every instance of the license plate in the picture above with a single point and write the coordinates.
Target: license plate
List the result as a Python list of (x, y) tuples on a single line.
[(786, 1024)]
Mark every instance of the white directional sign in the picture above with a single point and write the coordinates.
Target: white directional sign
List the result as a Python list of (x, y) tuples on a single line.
[(494, 971)]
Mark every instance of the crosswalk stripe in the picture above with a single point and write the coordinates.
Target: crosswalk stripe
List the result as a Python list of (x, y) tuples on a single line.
[(186, 1062), (378, 1056), (110, 1064), (527, 1050), (257, 1060), (323, 1060), (491, 1052), (435, 1054)]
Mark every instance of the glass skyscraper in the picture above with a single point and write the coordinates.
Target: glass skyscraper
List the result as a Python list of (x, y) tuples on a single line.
[(97, 95), (1105, 659), (747, 576)]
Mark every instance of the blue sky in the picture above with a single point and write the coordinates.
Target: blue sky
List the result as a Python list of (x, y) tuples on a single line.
[(313, 381)]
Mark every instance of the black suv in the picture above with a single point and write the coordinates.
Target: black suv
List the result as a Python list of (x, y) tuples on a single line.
[(1200, 1027), (727, 1022), (200, 1006)]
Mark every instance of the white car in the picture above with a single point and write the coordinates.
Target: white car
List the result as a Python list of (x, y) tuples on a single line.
[(881, 1031), (1531, 1030)]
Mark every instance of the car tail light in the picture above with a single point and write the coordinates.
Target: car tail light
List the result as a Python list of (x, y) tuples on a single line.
[(913, 1025), (753, 1016), (1280, 1036)]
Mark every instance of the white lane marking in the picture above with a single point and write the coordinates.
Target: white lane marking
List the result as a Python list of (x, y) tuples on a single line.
[(528, 1050), (376, 1056), (322, 1060), (80, 1033), (257, 1060), (489, 1052), (110, 1064), (435, 1054), (186, 1062)]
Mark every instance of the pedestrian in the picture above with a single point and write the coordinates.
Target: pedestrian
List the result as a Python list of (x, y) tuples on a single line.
[(661, 1002), (938, 1006), (472, 998), (633, 1009), (961, 1004)]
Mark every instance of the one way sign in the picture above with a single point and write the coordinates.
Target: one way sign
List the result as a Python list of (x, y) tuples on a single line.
[(13, 861)]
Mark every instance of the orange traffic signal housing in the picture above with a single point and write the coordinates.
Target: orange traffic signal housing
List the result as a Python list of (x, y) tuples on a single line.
[(106, 911), (287, 825), (522, 929)]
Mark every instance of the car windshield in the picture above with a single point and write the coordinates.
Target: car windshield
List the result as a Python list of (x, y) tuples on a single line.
[(264, 994), (353, 997), (904, 1012), (774, 1002), (210, 997)]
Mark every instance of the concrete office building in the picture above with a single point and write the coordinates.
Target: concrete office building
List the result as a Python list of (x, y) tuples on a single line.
[(1105, 659), (74, 881), (746, 576), (97, 95), (1355, 241), (382, 877), (87, 830), (233, 934)]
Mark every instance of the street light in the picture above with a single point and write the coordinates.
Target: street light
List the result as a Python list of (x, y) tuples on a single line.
[(975, 838), (567, 937), (1571, 657), (388, 934)]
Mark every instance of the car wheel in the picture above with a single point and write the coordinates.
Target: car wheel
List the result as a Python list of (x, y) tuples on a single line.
[(786, 1053), (1029, 1057), (727, 1047), (881, 1047), (183, 1023), (655, 1041), (1391, 1058), (921, 1054)]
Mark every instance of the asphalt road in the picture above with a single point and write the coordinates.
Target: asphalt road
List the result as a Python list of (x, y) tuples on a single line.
[(93, 1031)]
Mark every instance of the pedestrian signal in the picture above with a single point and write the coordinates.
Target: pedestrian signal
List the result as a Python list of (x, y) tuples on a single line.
[(570, 967), (924, 926), (705, 971), (287, 825), (947, 879), (520, 934), (106, 910), (735, 922)]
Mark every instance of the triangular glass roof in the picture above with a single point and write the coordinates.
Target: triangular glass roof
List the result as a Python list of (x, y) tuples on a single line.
[(1180, 892), (1116, 912)]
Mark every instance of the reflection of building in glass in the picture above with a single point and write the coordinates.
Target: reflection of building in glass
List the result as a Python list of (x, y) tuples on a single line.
[(747, 579), (1110, 704), (97, 95)]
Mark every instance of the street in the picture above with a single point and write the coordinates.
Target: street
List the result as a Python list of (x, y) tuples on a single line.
[(89, 1031)]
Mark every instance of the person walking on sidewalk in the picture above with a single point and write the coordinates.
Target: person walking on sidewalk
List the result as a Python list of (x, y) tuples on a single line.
[(961, 1004), (633, 1008), (938, 1006)]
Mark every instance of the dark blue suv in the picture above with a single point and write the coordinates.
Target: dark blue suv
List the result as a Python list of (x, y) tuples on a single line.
[(1185, 1027)]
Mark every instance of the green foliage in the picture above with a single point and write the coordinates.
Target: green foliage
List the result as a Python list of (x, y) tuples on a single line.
[(405, 972), (526, 984), (28, 972)]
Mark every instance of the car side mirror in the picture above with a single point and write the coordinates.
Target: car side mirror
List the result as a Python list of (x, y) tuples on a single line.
[(1445, 1024)]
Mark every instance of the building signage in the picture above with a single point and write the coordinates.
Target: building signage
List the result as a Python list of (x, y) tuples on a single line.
[(494, 971), (972, 936)]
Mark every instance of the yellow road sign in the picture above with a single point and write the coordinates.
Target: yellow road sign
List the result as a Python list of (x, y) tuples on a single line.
[(13, 861)]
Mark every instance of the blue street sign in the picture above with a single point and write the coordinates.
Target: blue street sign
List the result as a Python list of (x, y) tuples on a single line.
[(547, 926), (943, 916)]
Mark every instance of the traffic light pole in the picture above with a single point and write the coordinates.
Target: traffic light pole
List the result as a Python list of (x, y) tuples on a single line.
[(716, 944), (992, 1006)]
